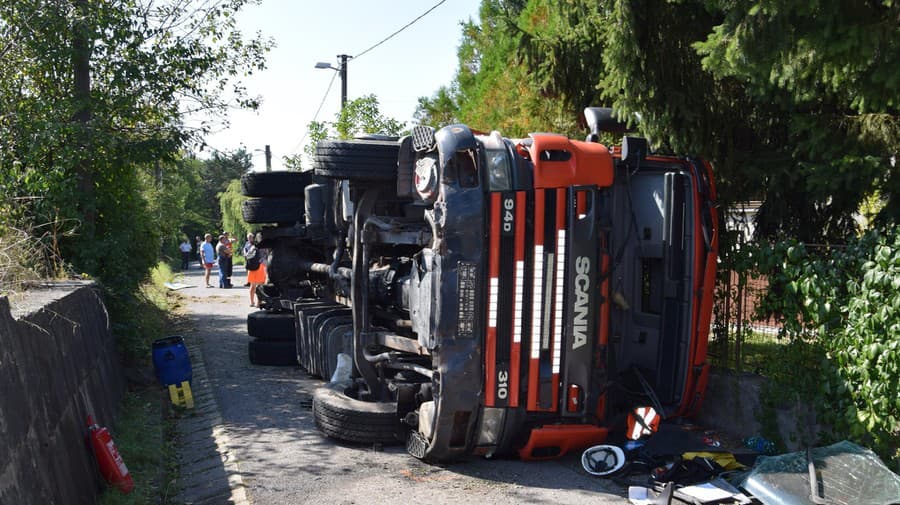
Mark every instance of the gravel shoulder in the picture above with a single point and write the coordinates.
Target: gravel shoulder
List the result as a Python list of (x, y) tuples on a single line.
[(282, 458)]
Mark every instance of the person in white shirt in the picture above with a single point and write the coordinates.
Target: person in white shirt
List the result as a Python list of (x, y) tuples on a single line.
[(185, 249)]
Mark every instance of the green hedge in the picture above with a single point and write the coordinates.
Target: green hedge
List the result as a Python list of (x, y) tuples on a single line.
[(840, 311)]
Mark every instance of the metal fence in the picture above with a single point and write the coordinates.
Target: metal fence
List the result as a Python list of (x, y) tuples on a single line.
[(740, 337)]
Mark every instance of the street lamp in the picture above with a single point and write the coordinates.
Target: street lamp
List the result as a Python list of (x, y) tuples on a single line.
[(268, 152), (343, 72)]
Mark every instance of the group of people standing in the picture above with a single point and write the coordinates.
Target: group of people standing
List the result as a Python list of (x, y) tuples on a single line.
[(221, 253)]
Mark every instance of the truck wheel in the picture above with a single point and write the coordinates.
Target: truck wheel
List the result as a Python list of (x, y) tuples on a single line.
[(275, 326), (274, 183), (271, 353), (342, 417), (284, 209), (357, 160)]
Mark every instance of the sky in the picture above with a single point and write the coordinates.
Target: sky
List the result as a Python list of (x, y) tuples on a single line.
[(414, 63)]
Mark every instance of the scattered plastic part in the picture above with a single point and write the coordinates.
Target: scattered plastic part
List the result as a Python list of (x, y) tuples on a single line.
[(602, 460), (175, 286), (658, 472), (846, 474), (632, 445), (674, 440), (760, 445), (726, 460), (642, 421), (171, 360), (715, 491), (639, 495), (181, 395), (711, 438), (343, 369)]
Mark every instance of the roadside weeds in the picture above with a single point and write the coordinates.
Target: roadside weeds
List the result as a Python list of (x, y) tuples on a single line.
[(145, 432)]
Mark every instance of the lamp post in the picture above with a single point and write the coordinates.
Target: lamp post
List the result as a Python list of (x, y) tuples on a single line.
[(268, 153), (343, 71)]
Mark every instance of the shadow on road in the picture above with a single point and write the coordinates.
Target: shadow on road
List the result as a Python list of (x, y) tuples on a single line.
[(283, 458)]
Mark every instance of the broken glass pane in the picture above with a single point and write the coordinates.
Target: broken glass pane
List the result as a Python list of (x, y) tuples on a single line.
[(846, 474)]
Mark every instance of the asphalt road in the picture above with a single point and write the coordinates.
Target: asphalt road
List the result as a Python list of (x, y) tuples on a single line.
[(283, 459)]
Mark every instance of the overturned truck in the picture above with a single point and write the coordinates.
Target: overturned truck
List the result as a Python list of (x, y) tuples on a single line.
[(474, 294)]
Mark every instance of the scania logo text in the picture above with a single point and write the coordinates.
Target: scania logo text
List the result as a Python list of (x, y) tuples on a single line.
[(582, 288)]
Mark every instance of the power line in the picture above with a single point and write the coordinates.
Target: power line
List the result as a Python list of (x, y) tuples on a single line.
[(382, 41), (316, 116), (407, 25)]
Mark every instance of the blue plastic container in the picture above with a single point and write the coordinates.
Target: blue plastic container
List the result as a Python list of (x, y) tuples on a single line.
[(171, 360)]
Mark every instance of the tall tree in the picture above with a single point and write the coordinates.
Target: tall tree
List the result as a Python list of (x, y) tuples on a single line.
[(363, 116), (216, 174), (494, 87), (652, 69), (496, 83), (360, 116), (831, 68), (441, 109), (795, 103), (103, 94)]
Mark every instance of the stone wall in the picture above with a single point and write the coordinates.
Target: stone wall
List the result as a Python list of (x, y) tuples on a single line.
[(58, 364)]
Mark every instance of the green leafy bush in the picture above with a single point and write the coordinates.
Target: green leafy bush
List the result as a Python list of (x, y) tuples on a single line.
[(840, 310)]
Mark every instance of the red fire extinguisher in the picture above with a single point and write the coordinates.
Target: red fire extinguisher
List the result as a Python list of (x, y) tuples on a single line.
[(110, 462)]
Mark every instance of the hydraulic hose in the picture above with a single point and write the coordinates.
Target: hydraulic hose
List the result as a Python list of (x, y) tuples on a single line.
[(412, 367), (384, 356)]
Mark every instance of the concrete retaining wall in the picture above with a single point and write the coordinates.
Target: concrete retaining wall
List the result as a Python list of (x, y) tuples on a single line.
[(732, 406), (58, 364)]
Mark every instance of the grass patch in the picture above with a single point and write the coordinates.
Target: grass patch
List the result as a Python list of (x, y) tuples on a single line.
[(757, 350), (145, 441), (757, 353), (142, 317), (144, 433)]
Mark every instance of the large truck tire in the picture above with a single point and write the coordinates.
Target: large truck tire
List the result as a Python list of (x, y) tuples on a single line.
[(357, 160), (271, 353), (284, 209), (342, 417), (275, 326), (280, 183)]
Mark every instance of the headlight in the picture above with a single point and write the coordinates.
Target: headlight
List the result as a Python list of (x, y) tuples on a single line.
[(491, 426), (498, 169)]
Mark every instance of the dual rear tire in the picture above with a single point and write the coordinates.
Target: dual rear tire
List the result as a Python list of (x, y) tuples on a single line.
[(277, 197), (271, 352), (273, 342)]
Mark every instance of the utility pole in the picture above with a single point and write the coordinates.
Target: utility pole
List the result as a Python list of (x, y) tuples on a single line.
[(343, 71), (268, 159)]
